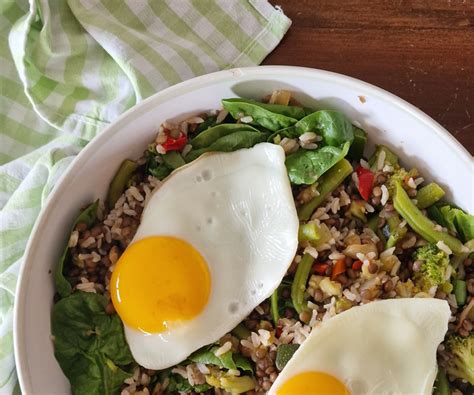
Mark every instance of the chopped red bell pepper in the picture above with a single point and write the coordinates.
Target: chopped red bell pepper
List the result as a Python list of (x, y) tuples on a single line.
[(320, 268), (339, 268), (357, 265), (176, 144), (366, 181)]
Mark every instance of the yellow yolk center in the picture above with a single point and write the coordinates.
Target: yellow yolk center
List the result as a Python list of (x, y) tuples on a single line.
[(313, 383), (157, 281)]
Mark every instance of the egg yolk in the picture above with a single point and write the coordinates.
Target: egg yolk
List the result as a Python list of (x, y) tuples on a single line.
[(313, 383), (158, 281)]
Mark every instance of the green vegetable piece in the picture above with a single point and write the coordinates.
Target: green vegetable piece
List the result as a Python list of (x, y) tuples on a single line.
[(120, 180), (228, 360), (173, 159), (396, 232), (356, 152), (460, 292), (241, 332), (372, 223), (308, 232), (211, 135), (87, 216), (299, 283), (441, 385), (229, 143), (89, 345), (390, 157), (237, 385), (284, 354), (333, 126), (454, 219), (260, 114), (210, 121), (460, 362), (161, 171), (428, 195), (281, 109), (433, 267), (274, 306), (306, 166), (357, 210), (420, 223), (178, 383), (327, 183)]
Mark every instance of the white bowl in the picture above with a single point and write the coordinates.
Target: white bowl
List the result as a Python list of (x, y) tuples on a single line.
[(419, 140)]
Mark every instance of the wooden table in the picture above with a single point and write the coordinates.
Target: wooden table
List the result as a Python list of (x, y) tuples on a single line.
[(420, 50)]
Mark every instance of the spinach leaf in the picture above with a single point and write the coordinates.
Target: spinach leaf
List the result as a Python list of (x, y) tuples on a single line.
[(120, 181), (228, 360), (333, 126), (230, 143), (210, 121), (158, 170), (211, 135), (89, 344), (284, 354), (173, 159), (287, 132), (305, 166), (273, 121), (281, 109), (356, 152), (88, 216)]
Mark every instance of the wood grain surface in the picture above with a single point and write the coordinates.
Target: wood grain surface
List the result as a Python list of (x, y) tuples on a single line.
[(420, 50)]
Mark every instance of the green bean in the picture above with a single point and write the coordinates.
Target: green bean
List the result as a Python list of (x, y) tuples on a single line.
[(441, 386), (274, 306), (420, 223), (460, 292), (119, 182), (429, 195), (298, 286), (327, 183)]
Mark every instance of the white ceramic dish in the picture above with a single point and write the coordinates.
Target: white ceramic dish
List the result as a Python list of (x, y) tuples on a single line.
[(418, 139)]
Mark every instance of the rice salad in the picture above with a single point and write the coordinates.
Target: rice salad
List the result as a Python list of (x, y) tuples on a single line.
[(370, 229)]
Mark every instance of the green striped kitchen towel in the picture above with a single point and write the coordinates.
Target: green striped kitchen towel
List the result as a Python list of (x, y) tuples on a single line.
[(70, 67)]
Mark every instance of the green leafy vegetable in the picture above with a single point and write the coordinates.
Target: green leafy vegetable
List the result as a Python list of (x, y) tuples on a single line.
[(89, 344), (87, 216), (390, 157), (209, 122), (333, 126), (120, 180), (211, 135), (241, 332), (306, 166), (358, 145), (420, 223), (454, 219), (158, 170), (284, 354), (178, 383), (271, 120), (227, 360), (230, 143), (326, 185)]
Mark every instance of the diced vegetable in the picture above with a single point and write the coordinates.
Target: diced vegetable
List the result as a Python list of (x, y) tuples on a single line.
[(173, 159), (390, 157), (120, 180), (333, 126), (284, 354), (356, 151), (299, 283), (339, 268), (241, 332), (320, 268), (356, 265), (357, 210), (327, 183), (209, 122), (324, 234), (420, 223), (460, 292), (428, 195), (396, 232), (280, 97), (87, 216), (308, 232), (454, 219), (274, 306), (306, 166), (366, 182), (175, 144), (441, 385), (237, 385)]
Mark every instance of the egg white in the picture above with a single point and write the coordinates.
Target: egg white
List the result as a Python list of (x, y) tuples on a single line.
[(381, 348), (238, 211)]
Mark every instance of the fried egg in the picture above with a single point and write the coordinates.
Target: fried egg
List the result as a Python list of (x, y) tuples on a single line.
[(381, 348), (214, 241)]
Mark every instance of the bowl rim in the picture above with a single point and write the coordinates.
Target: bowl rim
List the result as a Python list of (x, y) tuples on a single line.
[(173, 91)]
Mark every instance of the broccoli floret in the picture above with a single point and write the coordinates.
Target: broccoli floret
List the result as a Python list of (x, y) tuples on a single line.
[(433, 267), (461, 361)]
